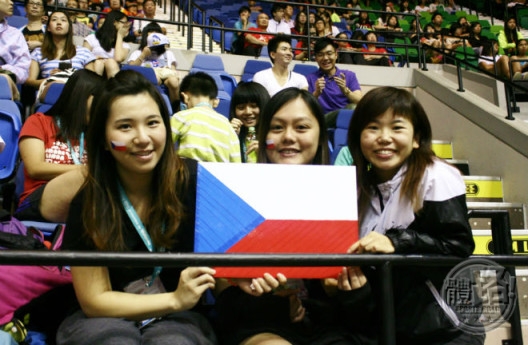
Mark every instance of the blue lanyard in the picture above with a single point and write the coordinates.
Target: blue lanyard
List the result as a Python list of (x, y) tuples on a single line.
[(140, 228), (76, 160)]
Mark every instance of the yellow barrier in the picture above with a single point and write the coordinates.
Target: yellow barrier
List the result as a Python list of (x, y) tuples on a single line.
[(443, 149), (484, 244), (483, 188)]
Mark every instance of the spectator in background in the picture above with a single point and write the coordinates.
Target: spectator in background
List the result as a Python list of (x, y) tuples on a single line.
[(115, 5), (432, 45), (199, 132), (58, 56), (153, 52), (436, 22), (509, 36), (392, 29), (300, 26), (257, 37), (319, 28), (78, 28), (363, 21), (334, 12), (301, 49), (149, 8), (53, 144), (519, 61), (34, 30), (14, 52), (288, 15), (422, 7), (475, 38), (492, 62), (254, 7), (248, 101), (140, 11), (464, 24), (344, 48), (333, 87), (372, 54), (82, 17), (243, 23), (330, 29), (405, 7), (108, 45), (451, 7), (277, 24), (279, 76)]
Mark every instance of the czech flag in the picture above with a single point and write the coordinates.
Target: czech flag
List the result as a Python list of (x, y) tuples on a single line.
[(274, 208)]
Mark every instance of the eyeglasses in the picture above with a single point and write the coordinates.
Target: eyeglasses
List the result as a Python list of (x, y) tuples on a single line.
[(328, 54), (123, 22), (36, 4)]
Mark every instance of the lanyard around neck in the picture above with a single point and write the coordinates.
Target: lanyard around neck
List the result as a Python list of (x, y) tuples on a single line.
[(76, 159), (140, 228)]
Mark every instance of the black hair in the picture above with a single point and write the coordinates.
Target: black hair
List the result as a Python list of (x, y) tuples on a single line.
[(107, 33), (199, 84), (322, 43), (275, 104), (274, 43), (244, 8), (70, 109)]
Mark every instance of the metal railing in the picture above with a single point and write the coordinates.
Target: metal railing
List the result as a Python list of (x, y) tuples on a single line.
[(501, 236)]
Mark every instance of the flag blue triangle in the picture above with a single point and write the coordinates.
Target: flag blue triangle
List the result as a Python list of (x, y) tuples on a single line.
[(222, 217)]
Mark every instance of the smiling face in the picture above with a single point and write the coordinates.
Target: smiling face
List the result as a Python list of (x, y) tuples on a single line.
[(248, 113), (135, 122), (387, 142), (326, 59), (283, 55), (294, 132), (58, 24)]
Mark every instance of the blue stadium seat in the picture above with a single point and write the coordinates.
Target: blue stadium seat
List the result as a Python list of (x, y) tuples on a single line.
[(341, 131), (47, 228), (224, 98), (213, 65), (54, 91), (304, 69), (252, 67), (17, 21), (10, 125), (149, 73)]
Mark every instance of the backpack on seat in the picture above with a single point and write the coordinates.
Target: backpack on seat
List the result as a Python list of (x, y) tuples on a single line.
[(23, 284)]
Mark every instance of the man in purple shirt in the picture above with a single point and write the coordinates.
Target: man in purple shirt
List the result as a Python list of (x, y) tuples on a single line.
[(14, 52), (334, 88)]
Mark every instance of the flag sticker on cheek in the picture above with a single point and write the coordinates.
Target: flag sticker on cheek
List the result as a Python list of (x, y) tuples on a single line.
[(118, 146), (270, 144)]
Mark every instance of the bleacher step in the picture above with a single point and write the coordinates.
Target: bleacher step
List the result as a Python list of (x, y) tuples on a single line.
[(517, 212), (443, 149), (460, 164), (484, 188)]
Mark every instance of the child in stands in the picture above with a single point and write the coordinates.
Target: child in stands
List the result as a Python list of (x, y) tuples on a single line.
[(199, 132), (246, 105)]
